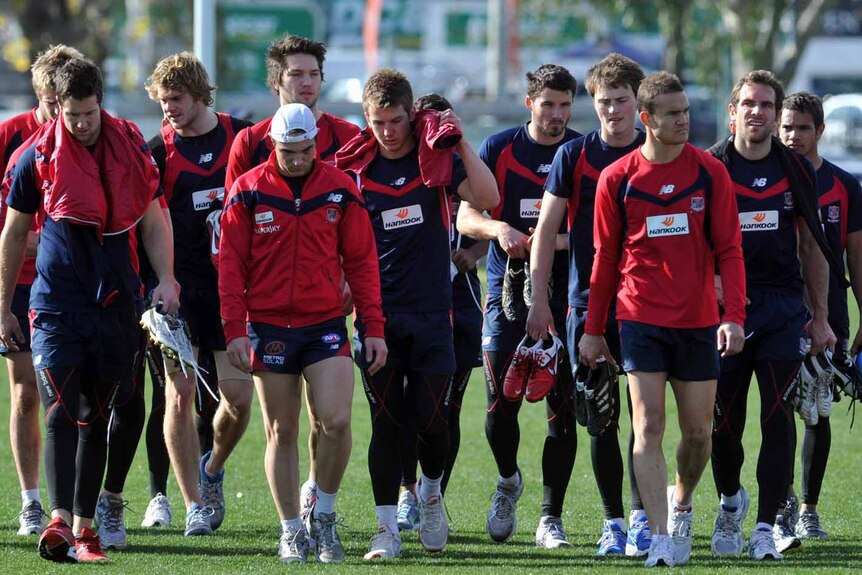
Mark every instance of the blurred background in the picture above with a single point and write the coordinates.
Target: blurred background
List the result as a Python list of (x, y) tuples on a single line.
[(475, 52)]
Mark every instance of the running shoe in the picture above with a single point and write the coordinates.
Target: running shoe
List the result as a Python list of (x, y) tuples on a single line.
[(293, 546), (660, 552), (550, 534), (639, 537), (727, 535), (408, 511), (808, 526), (762, 546), (88, 548), (433, 525), (57, 542), (502, 517), (31, 520), (110, 522), (612, 541), (212, 492), (198, 521), (328, 547), (159, 512), (679, 528), (384, 545)]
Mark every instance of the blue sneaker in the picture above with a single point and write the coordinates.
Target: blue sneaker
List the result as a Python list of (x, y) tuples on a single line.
[(612, 541), (212, 492), (408, 511), (639, 536)]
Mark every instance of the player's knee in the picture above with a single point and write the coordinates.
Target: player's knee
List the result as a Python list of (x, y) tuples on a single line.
[(696, 436), (236, 396), (336, 424), (650, 428), (25, 400), (180, 394), (282, 433)]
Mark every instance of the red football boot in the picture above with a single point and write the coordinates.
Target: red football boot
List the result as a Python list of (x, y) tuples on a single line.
[(88, 547), (543, 376), (57, 543), (515, 381)]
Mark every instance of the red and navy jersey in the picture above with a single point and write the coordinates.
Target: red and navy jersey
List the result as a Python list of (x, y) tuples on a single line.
[(15, 130), (281, 239), (660, 230), (767, 217), (521, 165), (192, 172), (253, 146), (411, 228), (574, 175), (840, 200), (13, 133)]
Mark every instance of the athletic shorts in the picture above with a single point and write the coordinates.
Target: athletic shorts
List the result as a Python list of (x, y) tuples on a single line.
[(418, 341), (685, 354), (501, 335), (290, 350), (575, 324), (467, 332), (200, 308), (774, 325), (102, 344), (21, 310)]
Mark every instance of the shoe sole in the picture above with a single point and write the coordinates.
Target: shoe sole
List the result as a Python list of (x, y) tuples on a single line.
[(198, 533), (794, 547), (379, 556), (117, 546), (59, 552), (30, 531)]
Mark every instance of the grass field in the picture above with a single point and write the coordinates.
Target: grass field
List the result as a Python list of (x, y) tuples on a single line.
[(247, 541)]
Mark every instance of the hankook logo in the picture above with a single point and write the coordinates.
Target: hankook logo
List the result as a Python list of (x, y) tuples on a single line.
[(758, 221), (402, 217), (203, 199), (667, 225), (530, 208)]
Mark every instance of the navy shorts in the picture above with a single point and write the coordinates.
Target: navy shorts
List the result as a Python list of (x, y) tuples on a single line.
[(200, 308), (467, 332), (774, 326), (417, 341), (501, 335), (21, 308), (575, 324), (290, 350), (102, 344), (685, 354)]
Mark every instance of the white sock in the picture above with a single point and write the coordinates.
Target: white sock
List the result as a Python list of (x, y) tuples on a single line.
[(28, 495), (387, 516), (325, 502), (294, 524), (761, 526), (512, 481), (429, 488), (732, 501), (619, 522)]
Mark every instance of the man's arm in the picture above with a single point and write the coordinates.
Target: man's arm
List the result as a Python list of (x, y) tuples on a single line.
[(480, 187), (158, 243), (544, 244), (13, 242), (815, 273), (474, 224)]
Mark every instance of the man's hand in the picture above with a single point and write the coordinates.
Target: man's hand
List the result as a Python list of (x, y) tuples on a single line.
[(239, 353), (375, 352), (464, 260), (166, 296), (591, 348), (821, 336), (731, 338), (513, 242), (10, 331), (540, 321)]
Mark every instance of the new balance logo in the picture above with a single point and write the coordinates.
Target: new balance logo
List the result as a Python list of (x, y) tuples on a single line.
[(758, 183), (402, 217), (334, 198), (543, 169), (666, 189), (399, 182), (668, 225), (206, 158)]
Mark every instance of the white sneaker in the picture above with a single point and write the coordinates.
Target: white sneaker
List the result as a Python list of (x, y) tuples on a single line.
[(110, 521), (808, 526), (502, 519), (660, 551), (550, 534), (293, 546), (307, 499), (159, 512), (384, 545), (823, 396), (408, 511), (727, 534), (31, 520), (784, 529), (679, 527), (433, 526), (762, 546), (328, 547)]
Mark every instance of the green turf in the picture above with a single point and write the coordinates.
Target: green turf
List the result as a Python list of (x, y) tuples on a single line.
[(247, 541)]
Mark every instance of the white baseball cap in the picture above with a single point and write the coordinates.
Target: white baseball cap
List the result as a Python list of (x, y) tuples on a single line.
[(293, 123)]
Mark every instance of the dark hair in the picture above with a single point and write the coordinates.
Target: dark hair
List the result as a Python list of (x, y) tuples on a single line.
[(79, 79), (552, 77), (614, 71), (385, 88), (655, 85), (432, 102), (764, 77), (807, 103), (285, 46)]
